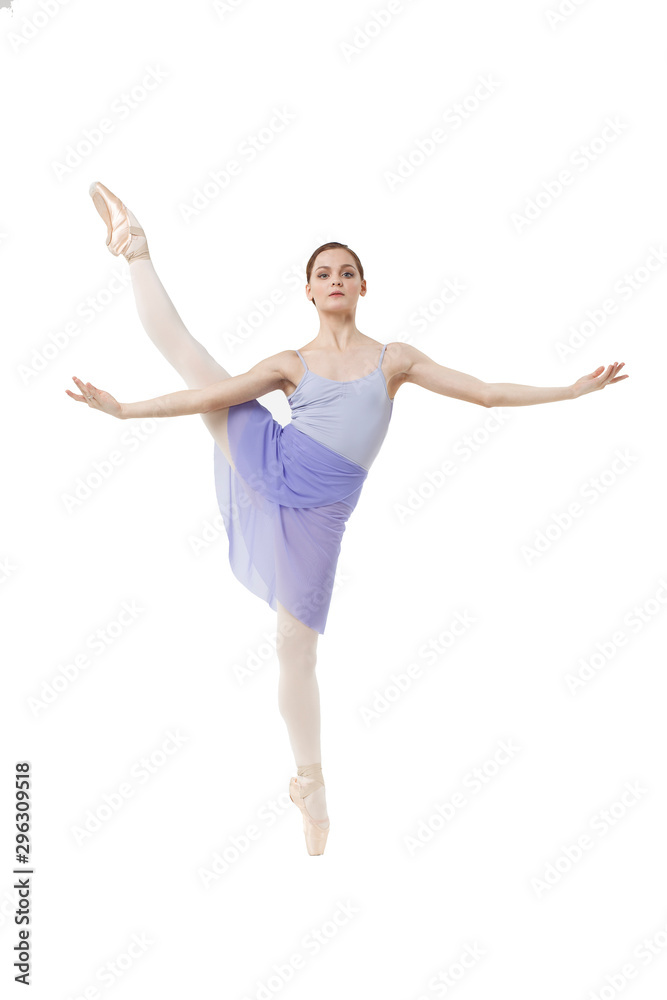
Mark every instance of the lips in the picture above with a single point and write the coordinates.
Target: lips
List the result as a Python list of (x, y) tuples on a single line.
[(334, 293)]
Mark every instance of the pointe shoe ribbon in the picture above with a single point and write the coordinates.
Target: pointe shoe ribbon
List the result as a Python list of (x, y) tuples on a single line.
[(121, 224), (316, 836)]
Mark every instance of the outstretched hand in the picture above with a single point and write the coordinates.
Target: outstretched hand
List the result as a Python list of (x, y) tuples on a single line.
[(96, 398), (599, 378)]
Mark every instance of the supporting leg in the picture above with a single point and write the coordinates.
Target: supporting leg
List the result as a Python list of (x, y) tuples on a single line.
[(299, 698)]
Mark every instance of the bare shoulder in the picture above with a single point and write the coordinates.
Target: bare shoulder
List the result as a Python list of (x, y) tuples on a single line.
[(285, 367), (409, 364), (397, 364), (402, 355)]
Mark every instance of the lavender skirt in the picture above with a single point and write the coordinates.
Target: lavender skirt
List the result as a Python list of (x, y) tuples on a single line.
[(285, 509)]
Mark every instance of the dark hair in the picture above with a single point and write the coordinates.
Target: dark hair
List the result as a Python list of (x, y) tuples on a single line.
[(331, 246)]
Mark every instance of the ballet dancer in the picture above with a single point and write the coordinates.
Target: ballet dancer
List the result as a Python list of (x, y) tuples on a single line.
[(286, 493)]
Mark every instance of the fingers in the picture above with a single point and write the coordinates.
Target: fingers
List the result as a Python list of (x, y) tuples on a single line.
[(611, 374), (88, 391), (82, 386)]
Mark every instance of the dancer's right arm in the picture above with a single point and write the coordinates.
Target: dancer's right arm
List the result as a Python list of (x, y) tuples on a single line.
[(263, 377)]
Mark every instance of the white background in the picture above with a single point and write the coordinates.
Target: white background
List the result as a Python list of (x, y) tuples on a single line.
[(361, 97)]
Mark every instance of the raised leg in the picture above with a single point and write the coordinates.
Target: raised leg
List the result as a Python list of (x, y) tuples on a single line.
[(166, 329), (299, 699)]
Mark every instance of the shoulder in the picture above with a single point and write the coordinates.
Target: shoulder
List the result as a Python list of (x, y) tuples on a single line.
[(282, 362), (400, 359), (397, 363), (284, 368), (406, 363)]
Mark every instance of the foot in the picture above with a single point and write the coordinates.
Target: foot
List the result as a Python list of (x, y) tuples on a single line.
[(315, 803), (124, 233)]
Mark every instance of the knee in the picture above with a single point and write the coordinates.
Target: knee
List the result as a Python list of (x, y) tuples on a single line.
[(297, 658)]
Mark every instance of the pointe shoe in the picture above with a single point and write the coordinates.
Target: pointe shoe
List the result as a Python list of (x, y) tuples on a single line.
[(316, 835), (124, 234)]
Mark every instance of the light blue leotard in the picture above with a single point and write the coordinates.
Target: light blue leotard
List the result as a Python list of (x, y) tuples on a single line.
[(287, 497), (351, 417)]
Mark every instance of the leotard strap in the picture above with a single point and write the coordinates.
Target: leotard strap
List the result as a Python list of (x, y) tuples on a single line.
[(301, 356)]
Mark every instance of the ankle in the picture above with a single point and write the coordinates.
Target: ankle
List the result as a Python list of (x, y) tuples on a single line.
[(311, 773), (132, 258)]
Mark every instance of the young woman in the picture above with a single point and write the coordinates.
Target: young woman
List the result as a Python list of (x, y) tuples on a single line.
[(286, 493)]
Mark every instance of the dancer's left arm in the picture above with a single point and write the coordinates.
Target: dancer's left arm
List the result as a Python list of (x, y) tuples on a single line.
[(424, 371)]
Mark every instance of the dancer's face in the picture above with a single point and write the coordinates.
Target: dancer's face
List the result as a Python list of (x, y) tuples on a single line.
[(335, 271)]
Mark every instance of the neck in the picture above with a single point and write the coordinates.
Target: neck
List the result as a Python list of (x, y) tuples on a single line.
[(337, 334)]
